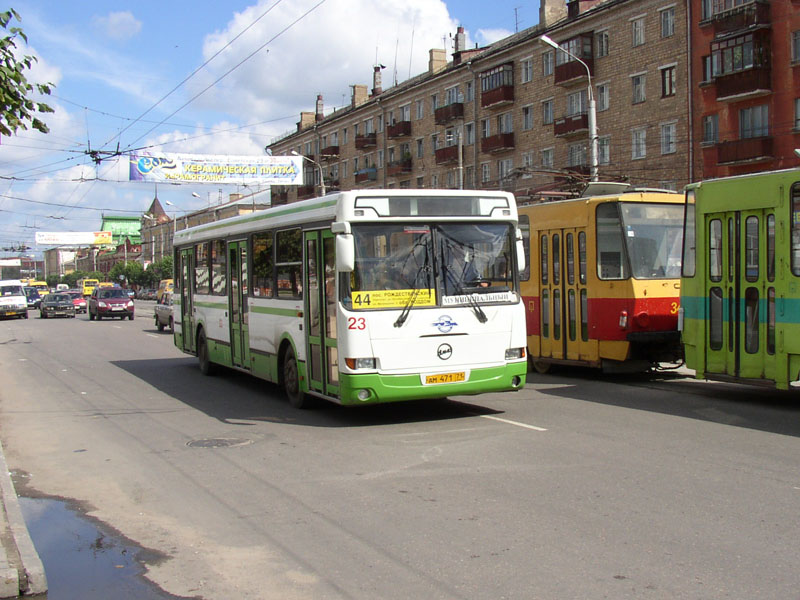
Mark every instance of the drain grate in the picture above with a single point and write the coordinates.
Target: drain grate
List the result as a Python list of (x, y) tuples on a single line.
[(219, 443)]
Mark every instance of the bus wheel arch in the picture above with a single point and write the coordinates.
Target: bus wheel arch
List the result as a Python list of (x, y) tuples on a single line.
[(203, 356)]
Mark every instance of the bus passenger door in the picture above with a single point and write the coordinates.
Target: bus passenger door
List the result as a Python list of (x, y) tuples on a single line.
[(185, 319), (575, 303), (320, 313), (237, 304)]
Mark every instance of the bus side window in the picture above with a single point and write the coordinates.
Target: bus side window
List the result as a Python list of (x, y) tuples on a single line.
[(289, 263), (263, 265)]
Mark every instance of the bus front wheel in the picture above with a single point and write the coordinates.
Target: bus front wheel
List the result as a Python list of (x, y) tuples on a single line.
[(291, 381), (203, 358)]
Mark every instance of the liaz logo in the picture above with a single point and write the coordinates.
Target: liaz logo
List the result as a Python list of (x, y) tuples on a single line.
[(445, 324)]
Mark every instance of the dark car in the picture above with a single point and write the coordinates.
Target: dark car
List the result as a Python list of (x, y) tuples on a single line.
[(33, 297), (110, 302), (57, 305), (78, 300)]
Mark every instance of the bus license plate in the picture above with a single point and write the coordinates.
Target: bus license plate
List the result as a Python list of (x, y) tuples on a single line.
[(445, 378)]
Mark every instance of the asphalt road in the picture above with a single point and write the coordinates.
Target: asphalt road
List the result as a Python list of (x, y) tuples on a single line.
[(577, 487)]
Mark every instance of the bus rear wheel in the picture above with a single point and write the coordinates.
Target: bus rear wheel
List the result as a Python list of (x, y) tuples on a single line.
[(291, 381), (203, 358)]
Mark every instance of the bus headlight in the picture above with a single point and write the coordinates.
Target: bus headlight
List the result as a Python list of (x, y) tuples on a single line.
[(360, 363), (515, 353)]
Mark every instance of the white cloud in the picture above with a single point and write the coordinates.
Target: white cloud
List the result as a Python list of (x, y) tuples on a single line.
[(120, 26), (486, 37)]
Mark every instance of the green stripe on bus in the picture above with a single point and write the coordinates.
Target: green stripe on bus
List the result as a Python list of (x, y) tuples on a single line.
[(220, 305), (281, 312)]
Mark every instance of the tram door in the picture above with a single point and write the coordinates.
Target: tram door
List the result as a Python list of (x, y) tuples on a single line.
[(740, 328), (238, 308), (320, 313), (564, 325), (185, 272)]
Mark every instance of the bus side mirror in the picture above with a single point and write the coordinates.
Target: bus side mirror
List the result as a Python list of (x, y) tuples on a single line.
[(520, 252), (345, 253)]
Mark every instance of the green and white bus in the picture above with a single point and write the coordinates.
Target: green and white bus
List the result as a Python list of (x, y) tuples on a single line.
[(740, 286), (360, 297)]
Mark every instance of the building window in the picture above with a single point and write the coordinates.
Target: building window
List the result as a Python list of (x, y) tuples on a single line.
[(369, 126), (576, 155), (736, 54), (668, 22), (451, 179), (451, 95), (434, 181), (420, 182), (505, 123), (638, 83), (380, 123), (434, 102), (486, 128), (796, 46), (547, 63), (711, 129), (708, 73), (637, 31), (527, 165), (434, 143), (504, 169), (601, 38), (469, 177), (485, 173), (639, 143), (548, 158), (502, 76), (470, 92), (602, 97), (526, 70), (668, 81), (420, 109), (380, 159), (469, 134), (797, 114), (547, 112), (668, 132), (420, 147), (604, 150), (754, 122), (527, 117), (577, 103)]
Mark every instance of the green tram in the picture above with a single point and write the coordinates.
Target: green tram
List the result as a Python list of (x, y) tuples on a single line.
[(740, 286)]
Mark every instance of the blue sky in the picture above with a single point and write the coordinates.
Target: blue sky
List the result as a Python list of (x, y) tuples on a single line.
[(200, 77)]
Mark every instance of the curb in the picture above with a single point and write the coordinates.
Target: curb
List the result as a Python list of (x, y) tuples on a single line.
[(30, 578)]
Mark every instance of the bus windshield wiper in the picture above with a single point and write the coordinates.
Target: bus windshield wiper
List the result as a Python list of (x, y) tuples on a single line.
[(479, 314), (413, 298)]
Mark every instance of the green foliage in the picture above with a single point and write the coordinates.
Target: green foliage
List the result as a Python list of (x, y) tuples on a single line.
[(52, 281), (126, 275), (17, 110), (161, 269)]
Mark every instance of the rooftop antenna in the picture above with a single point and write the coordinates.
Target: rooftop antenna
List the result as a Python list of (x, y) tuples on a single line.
[(411, 51), (516, 19), (396, 46)]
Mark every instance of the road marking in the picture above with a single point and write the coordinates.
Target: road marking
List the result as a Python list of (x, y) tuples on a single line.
[(151, 335), (517, 423)]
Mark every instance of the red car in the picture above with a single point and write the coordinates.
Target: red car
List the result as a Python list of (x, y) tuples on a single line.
[(78, 300), (110, 302)]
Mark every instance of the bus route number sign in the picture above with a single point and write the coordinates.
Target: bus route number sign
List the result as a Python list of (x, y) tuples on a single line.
[(392, 298)]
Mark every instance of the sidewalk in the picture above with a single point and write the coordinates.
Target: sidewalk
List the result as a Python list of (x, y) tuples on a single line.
[(21, 569)]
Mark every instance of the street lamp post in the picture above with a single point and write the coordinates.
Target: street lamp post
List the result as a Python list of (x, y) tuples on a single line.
[(319, 166), (592, 109)]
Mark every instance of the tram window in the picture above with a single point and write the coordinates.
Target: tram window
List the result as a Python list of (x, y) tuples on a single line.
[(582, 257), (732, 316), (771, 247), (612, 263), (543, 259), (584, 315), (201, 278), (556, 259), (715, 318), (263, 265), (556, 314), (731, 248), (570, 259), (751, 248), (545, 313), (219, 278), (289, 263), (689, 238), (715, 250), (751, 320), (795, 221), (573, 321), (771, 320), (525, 228)]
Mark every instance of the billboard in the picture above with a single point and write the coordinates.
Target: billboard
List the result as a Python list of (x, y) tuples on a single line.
[(73, 238), (216, 169)]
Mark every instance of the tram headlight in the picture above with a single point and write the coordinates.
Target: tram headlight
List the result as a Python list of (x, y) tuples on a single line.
[(515, 353), (360, 363), (623, 319)]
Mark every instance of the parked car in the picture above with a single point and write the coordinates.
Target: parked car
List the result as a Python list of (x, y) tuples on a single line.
[(33, 297), (146, 294), (78, 300), (110, 302), (163, 312), (131, 292), (57, 305)]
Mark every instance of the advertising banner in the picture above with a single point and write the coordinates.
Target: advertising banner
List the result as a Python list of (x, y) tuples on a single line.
[(216, 169), (73, 238)]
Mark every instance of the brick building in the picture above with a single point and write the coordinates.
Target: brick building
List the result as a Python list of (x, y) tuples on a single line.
[(514, 115)]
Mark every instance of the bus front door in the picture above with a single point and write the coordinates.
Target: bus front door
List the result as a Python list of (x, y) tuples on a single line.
[(740, 294), (237, 304), (320, 314), (185, 320)]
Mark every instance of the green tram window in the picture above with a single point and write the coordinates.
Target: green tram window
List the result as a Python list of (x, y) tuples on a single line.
[(751, 248), (688, 261), (771, 247), (715, 318), (751, 320), (771, 320), (795, 207), (715, 250)]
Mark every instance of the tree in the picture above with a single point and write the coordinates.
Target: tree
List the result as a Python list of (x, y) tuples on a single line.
[(16, 107)]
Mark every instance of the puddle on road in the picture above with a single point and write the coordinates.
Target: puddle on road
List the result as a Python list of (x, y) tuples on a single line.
[(81, 561)]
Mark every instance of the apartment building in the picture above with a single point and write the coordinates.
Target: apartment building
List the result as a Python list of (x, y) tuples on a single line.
[(515, 115), (745, 96)]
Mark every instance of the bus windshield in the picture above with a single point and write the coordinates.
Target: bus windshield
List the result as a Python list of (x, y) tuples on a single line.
[(653, 238), (449, 261)]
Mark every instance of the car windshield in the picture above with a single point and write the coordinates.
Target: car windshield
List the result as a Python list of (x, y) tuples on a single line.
[(113, 293), (58, 298), (11, 290), (31, 292)]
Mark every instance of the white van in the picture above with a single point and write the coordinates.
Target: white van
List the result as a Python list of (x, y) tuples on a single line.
[(13, 302)]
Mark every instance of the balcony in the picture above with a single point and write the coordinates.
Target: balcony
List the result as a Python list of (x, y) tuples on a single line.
[(306, 191), (446, 155), (329, 151), (365, 175), (499, 96), (573, 125), (743, 84), (498, 143), (398, 167), (745, 151), (738, 18), (573, 72), (445, 114), (399, 129), (280, 197), (368, 140)]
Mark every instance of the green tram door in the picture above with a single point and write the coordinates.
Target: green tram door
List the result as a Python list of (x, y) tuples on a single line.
[(322, 364), (237, 304), (740, 291), (185, 270)]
